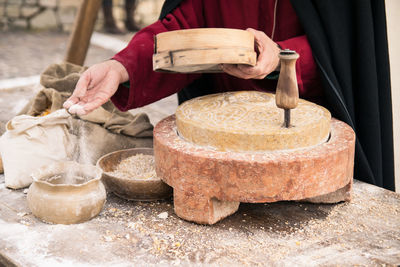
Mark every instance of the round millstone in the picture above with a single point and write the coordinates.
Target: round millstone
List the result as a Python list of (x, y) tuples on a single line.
[(250, 121), (209, 184)]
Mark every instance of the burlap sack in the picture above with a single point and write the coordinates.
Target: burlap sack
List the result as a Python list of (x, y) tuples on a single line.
[(104, 130), (59, 81)]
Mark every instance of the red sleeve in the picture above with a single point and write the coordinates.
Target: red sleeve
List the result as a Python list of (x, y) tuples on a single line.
[(306, 69), (147, 86)]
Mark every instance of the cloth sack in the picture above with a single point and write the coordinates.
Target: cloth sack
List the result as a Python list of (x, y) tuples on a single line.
[(59, 81), (102, 131), (31, 142)]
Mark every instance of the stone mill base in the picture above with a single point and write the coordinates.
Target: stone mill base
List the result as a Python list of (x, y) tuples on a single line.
[(209, 185)]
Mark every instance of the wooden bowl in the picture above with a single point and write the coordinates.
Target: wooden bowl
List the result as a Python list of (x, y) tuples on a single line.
[(131, 189), (202, 50)]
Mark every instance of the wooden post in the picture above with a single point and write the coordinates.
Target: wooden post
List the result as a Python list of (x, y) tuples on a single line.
[(82, 32)]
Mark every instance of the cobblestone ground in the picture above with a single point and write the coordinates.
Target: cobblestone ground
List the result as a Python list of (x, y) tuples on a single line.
[(29, 53)]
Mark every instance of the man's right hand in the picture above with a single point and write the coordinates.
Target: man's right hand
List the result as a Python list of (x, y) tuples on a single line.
[(96, 86)]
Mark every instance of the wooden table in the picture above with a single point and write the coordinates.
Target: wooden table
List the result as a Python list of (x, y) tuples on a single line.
[(364, 232)]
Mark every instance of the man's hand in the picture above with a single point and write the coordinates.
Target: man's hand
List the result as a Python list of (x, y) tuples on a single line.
[(95, 87), (267, 61)]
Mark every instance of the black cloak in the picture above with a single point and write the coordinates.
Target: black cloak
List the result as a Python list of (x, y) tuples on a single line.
[(349, 44)]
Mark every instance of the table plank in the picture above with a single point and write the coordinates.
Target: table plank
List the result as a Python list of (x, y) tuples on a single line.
[(365, 232)]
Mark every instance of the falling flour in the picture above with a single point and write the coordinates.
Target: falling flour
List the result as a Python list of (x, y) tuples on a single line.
[(138, 167), (79, 152)]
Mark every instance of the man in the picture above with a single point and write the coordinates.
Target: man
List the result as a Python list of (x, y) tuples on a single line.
[(355, 84), (109, 22), (272, 22)]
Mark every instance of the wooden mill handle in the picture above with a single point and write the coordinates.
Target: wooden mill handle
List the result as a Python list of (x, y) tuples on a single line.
[(287, 91)]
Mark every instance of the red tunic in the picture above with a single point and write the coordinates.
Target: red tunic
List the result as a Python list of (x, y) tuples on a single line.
[(147, 86)]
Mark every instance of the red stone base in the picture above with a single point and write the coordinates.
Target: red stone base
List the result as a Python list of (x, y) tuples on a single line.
[(202, 209), (209, 185), (340, 195)]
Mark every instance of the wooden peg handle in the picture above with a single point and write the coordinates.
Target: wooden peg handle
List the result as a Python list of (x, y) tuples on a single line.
[(287, 91)]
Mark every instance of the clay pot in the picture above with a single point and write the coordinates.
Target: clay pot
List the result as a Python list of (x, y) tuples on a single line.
[(66, 193), (131, 189)]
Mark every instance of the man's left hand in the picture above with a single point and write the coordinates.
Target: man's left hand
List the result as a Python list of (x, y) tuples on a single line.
[(267, 61)]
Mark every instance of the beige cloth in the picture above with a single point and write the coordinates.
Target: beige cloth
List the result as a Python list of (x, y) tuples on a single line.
[(31, 142)]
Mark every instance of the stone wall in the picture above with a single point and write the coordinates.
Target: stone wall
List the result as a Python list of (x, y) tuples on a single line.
[(60, 14)]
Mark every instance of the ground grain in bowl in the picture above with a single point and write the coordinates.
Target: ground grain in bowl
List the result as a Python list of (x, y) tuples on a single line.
[(139, 167)]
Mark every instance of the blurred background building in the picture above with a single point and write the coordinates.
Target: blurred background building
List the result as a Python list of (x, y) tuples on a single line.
[(59, 14)]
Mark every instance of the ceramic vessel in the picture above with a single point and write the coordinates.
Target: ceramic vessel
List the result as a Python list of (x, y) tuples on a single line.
[(66, 193), (131, 189)]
